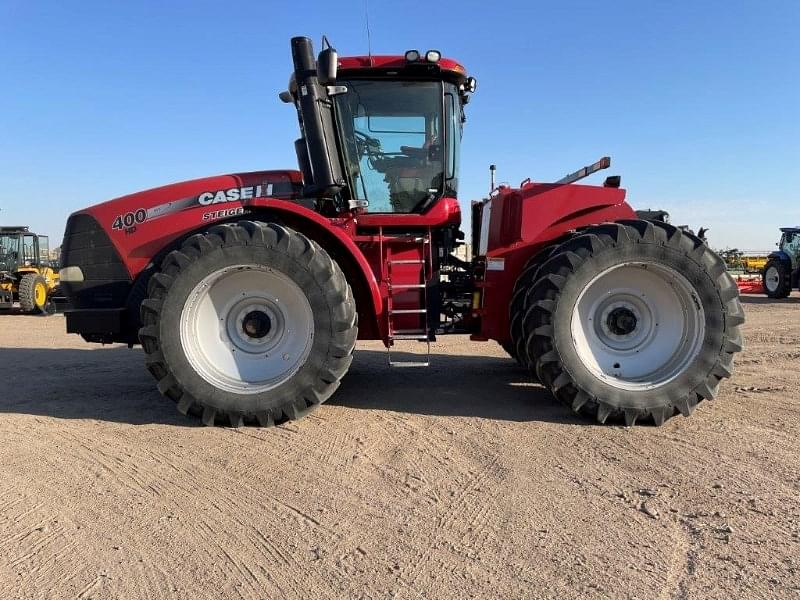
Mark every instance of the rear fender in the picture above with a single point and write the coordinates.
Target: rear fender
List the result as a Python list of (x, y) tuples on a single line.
[(523, 223), (781, 256), (539, 212)]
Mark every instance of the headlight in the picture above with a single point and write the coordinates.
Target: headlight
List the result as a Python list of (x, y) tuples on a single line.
[(433, 56), (412, 55), (71, 275)]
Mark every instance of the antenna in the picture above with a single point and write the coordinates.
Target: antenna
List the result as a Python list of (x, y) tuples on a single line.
[(369, 37)]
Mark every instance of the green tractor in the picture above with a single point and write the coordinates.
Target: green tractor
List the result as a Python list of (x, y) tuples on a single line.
[(781, 272), (27, 275)]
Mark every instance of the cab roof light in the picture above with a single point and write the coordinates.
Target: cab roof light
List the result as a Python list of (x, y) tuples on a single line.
[(412, 55), (433, 56)]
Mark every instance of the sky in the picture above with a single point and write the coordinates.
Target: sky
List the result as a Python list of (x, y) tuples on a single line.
[(697, 103)]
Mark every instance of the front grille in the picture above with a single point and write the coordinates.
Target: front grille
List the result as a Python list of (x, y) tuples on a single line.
[(106, 282)]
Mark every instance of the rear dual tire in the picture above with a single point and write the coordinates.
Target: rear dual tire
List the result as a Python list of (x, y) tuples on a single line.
[(516, 345), (630, 321), (248, 323)]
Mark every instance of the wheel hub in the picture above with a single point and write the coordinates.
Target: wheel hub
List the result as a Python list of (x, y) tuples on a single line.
[(263, 333), (621, 321), (637, 326), (256, 324), (772, 279)]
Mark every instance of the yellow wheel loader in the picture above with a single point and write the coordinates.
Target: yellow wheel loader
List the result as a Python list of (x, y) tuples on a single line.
[(27, 275)]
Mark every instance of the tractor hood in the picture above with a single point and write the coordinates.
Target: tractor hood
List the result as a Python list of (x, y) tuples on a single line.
[(137, 225), (203, 192)]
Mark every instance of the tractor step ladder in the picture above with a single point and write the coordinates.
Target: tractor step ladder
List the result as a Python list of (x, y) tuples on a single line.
[(418, 334)]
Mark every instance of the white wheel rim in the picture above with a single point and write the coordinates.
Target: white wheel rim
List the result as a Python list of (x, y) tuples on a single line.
[(246, 329), (772, 279), (638, 326)]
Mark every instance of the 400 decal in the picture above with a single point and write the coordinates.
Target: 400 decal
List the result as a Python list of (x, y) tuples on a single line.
[(129, 219)]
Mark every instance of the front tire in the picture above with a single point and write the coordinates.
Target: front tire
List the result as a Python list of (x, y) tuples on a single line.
[(776, 279), (634, 320), (33, 293), (248, 323)]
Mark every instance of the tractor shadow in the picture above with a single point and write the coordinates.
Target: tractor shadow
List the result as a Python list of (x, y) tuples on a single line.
[(487, 387), (104, 384), (111, 384), (759, 299)]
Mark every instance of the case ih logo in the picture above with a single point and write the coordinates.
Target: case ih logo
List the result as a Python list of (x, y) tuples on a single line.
[(130, 220), (234, 194)]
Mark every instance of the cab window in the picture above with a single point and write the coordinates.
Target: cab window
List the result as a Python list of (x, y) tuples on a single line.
[(29, 249), (393, 143), (44, 249)]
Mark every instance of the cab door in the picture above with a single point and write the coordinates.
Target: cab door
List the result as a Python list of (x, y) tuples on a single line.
[(30, 252)]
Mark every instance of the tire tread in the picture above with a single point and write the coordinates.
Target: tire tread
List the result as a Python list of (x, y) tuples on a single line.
[(328, 276), (542, 300)]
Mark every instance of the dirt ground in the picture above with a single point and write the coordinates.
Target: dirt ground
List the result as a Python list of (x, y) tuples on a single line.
[(462, 480)]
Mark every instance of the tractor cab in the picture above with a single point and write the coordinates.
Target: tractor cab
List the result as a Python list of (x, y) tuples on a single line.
[(380, 134), (790, 244), (9, 251), (21, 250)]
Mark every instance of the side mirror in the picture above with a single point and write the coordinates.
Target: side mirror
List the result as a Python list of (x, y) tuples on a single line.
[(327, 66)]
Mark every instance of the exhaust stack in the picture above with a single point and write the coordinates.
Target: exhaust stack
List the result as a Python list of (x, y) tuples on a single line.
[(324, 164)]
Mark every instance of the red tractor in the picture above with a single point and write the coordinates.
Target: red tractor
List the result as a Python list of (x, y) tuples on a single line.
[(248, 291)]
